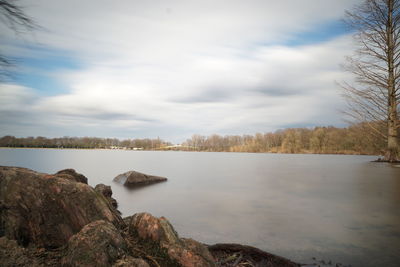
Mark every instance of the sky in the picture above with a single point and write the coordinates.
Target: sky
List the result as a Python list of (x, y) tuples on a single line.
[(171, 69)]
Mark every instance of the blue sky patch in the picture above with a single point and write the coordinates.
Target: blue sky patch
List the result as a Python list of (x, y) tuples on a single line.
[(320, 33), (37, 71)]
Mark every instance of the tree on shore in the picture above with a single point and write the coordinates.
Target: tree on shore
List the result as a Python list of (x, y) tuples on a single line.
[(374, 96), (13, 17)]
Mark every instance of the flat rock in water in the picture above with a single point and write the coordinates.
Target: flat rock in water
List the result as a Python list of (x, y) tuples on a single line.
[(134, 179)]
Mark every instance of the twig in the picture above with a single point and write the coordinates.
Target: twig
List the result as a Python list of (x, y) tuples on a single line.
[(238, 259), (144, 254)]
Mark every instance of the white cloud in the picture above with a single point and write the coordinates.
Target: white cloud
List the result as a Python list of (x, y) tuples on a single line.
[(15, 97), (190, 66)]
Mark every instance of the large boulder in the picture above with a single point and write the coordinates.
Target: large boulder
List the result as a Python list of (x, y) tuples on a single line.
[(186, 252), (46, 210), (135, 179), (99, 243)]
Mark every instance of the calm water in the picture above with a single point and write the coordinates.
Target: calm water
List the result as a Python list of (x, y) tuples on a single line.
[(340, 208)]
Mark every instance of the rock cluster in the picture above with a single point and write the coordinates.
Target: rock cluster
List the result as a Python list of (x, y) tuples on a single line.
[(59, 220)]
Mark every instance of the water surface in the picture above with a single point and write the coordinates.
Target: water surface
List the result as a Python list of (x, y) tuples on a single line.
[(340, 208)]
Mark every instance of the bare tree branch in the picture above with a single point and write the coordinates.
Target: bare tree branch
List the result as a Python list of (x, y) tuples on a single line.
[(374, 99), (13, 16)]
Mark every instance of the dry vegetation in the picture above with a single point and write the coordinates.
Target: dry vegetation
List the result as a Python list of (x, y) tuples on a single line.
[(356, 139)]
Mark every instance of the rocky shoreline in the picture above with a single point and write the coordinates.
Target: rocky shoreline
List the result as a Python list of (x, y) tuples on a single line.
[(59, 220)]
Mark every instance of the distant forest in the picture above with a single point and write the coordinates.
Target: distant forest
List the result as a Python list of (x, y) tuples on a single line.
[(83, 142), (356, 139), (318, 140)]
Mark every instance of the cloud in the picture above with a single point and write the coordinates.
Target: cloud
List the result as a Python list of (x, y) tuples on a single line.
[(16, 115), (143, 69), (15, 97)]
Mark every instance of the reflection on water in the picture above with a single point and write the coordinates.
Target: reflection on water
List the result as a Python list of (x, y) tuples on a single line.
[(340, 208)]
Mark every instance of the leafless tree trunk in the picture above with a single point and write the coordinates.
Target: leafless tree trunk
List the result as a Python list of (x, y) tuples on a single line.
[(374, 96)]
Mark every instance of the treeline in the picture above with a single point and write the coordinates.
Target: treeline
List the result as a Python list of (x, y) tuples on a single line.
[(82, 142), (356, 139)]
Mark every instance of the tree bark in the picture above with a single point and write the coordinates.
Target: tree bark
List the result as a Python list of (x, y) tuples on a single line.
[(393, 144)]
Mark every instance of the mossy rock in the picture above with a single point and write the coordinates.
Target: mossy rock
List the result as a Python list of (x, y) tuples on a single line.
[(98, 244), (158, 235), (46, 210)]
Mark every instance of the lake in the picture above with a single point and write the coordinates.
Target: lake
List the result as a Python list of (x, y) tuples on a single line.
[(337, 208)]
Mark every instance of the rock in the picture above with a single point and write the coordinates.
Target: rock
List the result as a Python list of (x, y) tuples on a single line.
[(99, 243), (129, 261), (235, 254), (46, 210), (157, 229), (134, 179), (72, 175), (106, 191), (127, 219), (186, 252)]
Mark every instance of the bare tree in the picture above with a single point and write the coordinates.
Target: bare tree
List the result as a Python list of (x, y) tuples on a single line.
[(374, 96), (13, 17)]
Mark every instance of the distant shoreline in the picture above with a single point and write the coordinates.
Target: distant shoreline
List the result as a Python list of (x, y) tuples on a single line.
[(177, 150), (353, 140)]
